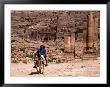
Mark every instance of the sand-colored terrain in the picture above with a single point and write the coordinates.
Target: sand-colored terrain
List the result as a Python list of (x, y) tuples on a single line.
[(85, 68)]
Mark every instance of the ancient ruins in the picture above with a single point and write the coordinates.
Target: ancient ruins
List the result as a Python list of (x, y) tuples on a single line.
[(72, 32)]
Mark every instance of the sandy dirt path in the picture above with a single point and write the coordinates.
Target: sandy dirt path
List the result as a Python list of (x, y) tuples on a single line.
[(86, 68)]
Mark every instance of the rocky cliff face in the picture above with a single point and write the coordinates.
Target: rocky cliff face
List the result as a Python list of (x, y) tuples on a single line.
[(39, 27)]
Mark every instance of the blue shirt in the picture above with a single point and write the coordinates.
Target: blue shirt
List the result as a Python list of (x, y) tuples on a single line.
[(42, 51)]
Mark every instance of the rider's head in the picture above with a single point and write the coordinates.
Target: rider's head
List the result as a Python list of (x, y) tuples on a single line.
[(42, 46)]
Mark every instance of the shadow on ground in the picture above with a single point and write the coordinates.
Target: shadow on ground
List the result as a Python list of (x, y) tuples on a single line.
[(33, 73)]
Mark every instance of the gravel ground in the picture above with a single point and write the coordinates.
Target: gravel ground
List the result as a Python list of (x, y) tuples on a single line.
[(85, 68)]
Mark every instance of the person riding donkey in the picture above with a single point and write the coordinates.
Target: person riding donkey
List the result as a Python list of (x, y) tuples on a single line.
[(41, 53)]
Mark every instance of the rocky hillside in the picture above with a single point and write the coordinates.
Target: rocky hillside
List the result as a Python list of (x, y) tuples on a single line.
[(30, 29)]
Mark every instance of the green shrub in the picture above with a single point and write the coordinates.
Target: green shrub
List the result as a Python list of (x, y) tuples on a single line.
[(25, 61), (22, 49), (31, 55), (34, 54), (14, 61), (58, 61), (50, 60)]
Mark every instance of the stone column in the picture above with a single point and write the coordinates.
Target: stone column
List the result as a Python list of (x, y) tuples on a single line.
[(90, 29), (85, 38), (72, 41), (93, 30), (96, 22), (67, 43)]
